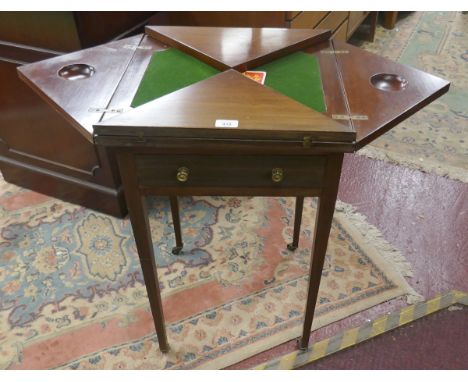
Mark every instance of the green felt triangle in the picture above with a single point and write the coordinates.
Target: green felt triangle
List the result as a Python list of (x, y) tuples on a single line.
[(168, 71), (298, 77)]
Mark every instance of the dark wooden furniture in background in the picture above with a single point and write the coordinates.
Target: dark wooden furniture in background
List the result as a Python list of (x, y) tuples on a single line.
[(365, 95), (39, 148), (342, 23), (389, 19), (69, 31)]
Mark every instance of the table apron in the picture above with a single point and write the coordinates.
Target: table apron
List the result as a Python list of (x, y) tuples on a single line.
[(230, 191)]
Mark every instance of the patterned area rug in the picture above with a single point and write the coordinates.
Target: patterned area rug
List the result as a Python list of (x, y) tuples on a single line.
[(72, 296), (436, 138)]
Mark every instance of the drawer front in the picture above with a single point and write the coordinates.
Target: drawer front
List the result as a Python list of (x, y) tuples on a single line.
[(341, 32), (291, 15), (308, 19), (230, 171), (355, 19), (333, 20)]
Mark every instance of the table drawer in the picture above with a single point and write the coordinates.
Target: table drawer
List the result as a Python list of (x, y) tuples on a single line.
[(230, 171)]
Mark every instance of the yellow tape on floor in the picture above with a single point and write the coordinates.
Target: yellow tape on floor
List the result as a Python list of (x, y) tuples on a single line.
[(357, 335)]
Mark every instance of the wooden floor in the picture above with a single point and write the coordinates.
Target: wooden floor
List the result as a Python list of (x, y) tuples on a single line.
[(424, 216)]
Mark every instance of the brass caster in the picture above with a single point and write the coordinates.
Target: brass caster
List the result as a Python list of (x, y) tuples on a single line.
[(165, 350), (177, 250), (291, 247), (300, 347)]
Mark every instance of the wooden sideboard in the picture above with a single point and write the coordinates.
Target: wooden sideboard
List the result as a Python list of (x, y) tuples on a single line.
[(342, 23), (39, 149), (68, 31)]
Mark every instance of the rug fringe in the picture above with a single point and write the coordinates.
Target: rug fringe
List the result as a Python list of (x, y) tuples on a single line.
[(374, 237), (447, 171)]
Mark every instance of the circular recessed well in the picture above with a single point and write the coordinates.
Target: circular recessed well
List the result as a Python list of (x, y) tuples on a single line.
[(388, 82), (75, 72)]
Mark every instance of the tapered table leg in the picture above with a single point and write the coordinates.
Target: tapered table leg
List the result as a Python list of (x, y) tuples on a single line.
[(374, 16), (142, 233), (390, 19), (176, 222), (323, 221), (297, 223)]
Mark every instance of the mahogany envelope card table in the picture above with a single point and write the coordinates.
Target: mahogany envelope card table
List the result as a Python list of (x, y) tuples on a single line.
[(179, 117)]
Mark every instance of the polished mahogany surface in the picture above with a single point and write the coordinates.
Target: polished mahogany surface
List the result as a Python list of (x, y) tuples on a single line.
[(128, 85), (237, 48), (352, 99), (383, 108), (259, 111), (229, 173), (333, 91), (81, 100), (39, 150), (22, 133), (262, 19), (20, 54)]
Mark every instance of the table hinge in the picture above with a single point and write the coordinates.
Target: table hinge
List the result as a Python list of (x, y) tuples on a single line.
[(307, 142), (133, 47), (355, 117), (105, 110), (334, 51)]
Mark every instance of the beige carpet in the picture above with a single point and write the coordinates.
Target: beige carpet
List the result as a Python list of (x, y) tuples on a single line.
[(72, 294)]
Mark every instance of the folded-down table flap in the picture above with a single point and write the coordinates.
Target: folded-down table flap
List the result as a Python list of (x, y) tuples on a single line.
[(382, 93), (80, 85)]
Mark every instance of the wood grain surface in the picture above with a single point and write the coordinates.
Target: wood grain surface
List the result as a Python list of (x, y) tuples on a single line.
[(237, 48), (261, 113), (384, 109), (73, 99), (230, 170), (128, 85)]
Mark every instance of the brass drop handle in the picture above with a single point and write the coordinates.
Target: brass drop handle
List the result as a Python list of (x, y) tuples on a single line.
[(277, 174), (182, 174)]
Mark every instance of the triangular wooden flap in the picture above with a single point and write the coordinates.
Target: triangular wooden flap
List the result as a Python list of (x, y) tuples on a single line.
[(80, 85), (250, 109), (382, 93), (237, 48)]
